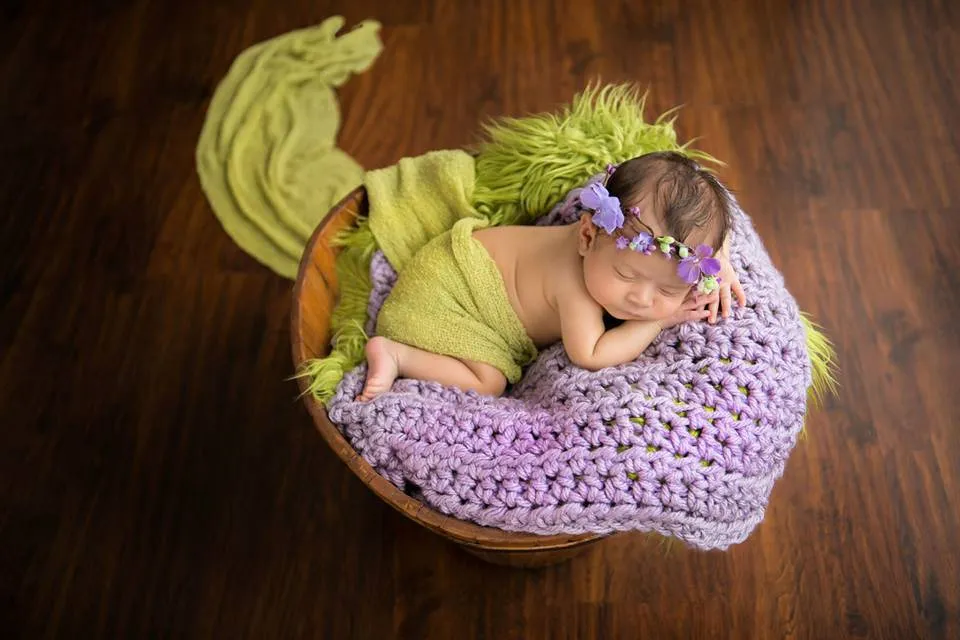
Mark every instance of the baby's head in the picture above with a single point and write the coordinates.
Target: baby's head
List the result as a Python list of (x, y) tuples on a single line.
[(651, 205)]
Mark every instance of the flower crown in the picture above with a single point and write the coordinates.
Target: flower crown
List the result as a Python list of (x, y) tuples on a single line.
[(696, 267)]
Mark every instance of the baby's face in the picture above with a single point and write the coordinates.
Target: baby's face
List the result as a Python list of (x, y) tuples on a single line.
[(630, 285)]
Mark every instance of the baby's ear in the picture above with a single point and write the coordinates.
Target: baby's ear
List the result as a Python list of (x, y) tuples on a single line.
[(586, 234)]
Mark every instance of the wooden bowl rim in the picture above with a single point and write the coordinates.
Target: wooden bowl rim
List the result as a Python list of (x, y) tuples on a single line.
[(460, 531)]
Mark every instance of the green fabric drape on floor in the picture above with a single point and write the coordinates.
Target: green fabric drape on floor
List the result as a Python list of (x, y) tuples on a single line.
[(267, 156)]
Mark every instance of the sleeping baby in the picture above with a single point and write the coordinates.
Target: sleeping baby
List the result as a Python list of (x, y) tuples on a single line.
[(650, 249)]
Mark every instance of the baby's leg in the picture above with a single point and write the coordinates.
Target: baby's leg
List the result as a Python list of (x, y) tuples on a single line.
[(387, 360)]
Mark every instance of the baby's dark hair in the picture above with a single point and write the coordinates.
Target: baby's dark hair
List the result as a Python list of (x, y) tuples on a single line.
[(684, 196)]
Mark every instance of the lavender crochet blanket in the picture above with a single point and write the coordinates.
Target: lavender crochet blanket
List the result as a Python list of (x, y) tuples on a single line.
[(687, 440)]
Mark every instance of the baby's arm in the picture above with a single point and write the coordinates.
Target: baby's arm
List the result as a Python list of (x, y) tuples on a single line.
[(587, 343)]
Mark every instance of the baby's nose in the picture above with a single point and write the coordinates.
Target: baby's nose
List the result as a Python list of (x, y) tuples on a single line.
[(640, 297)]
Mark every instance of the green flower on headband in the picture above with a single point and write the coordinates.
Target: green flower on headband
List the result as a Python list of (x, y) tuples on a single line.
[(666, 244)]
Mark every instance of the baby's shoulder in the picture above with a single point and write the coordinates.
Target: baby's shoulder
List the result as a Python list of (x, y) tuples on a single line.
[(512, 231), (509, 240)]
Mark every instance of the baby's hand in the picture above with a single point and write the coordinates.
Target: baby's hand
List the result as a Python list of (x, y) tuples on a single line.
[(729, 282), (695, 307)]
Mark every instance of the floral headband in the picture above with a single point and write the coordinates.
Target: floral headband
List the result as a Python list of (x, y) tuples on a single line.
[(696, 267)]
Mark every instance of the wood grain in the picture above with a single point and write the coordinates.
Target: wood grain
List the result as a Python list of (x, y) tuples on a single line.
[(158, 477)]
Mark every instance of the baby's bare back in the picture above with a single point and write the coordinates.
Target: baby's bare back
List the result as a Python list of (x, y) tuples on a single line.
[(536, 263)]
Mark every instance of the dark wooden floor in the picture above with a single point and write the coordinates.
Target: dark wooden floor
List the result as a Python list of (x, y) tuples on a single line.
[(157, 478)]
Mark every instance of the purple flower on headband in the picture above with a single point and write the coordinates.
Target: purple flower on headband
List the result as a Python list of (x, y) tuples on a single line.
[(643, 243), (700, 262), (622, 243), (607, 212)]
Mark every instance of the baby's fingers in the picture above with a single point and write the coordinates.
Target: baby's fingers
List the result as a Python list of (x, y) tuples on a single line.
[(738, 291), (714, 305), (697, 314), (701, 301), (700, 314), (725, 301)]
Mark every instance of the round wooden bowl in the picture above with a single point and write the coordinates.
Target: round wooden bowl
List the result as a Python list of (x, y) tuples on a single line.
[(314, 297)]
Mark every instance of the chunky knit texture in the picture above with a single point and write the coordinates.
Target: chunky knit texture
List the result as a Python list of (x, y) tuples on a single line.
[(687, 440)]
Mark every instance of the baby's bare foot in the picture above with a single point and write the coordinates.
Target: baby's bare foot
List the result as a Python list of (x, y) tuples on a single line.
[(382, 368)]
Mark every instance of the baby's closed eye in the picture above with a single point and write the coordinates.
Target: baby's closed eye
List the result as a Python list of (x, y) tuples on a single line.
[(672, 292)]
